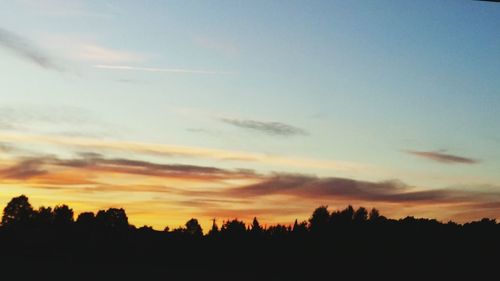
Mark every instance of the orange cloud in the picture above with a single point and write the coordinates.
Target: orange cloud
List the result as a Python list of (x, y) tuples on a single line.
[(162, 194)]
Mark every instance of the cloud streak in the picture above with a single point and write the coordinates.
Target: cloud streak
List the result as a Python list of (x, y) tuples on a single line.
[(24, 170), (231, 192), (304, 186), (269, 128), (27, 50), (23, 114), (443, 157), (62, 120), (153, 69), (96, 163), (182, 151), (93, 52)]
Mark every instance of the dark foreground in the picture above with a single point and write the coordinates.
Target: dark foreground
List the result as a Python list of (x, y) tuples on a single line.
[(340, 244)]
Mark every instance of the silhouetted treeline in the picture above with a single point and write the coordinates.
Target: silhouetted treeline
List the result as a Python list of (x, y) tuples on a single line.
[(358, 241)]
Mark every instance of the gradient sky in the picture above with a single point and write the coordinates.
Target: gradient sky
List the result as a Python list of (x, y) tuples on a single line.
[(180, 109)]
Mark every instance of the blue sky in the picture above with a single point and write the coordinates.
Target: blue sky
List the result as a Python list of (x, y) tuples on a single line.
[(367, 90)]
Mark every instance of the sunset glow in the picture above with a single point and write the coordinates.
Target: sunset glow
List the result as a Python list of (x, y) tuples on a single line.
[(174, 110)]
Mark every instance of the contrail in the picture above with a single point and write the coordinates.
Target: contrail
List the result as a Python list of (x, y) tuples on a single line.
[(152, 69)]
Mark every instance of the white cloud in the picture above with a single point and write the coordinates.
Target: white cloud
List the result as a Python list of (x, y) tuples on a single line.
[(96, 53), (84, 49)]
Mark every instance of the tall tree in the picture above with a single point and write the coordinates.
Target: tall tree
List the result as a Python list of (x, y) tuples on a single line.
[(214, 230), (18, 212), (299, 228), (256, 228)]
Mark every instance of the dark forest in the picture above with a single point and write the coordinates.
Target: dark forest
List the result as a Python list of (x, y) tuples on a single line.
[(341, 241)]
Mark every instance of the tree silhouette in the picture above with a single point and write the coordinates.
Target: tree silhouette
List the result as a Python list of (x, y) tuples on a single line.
[(112, 218), (214, 231), (343, 239), (63, 216), (234, 228), (18, 212), (278, 230), (256, 229), (85, 218), (374, 215), (343, 217), (44, 217), (319, 219), (360, 215), (86, 221), (299, 228), (193, 228)]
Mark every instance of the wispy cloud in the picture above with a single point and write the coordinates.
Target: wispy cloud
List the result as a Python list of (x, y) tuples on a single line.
[(92, 168), (83, 48), (213, 133), (270, 128), (4, 124), (6, 147), (71, 48), (61, 118), (24, 169), (443, 157), (210, 191), (96, 163), (130, 166), (27, 50), (184, 151), (304, 186), (96, 53), (26, 113), (152, 69)]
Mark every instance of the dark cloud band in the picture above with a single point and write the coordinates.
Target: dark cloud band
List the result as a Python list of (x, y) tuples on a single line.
[(443, 157), (347, 189), (270, 128), (36, 166)]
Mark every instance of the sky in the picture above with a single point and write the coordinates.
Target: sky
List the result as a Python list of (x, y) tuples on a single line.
[(236, 109)]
